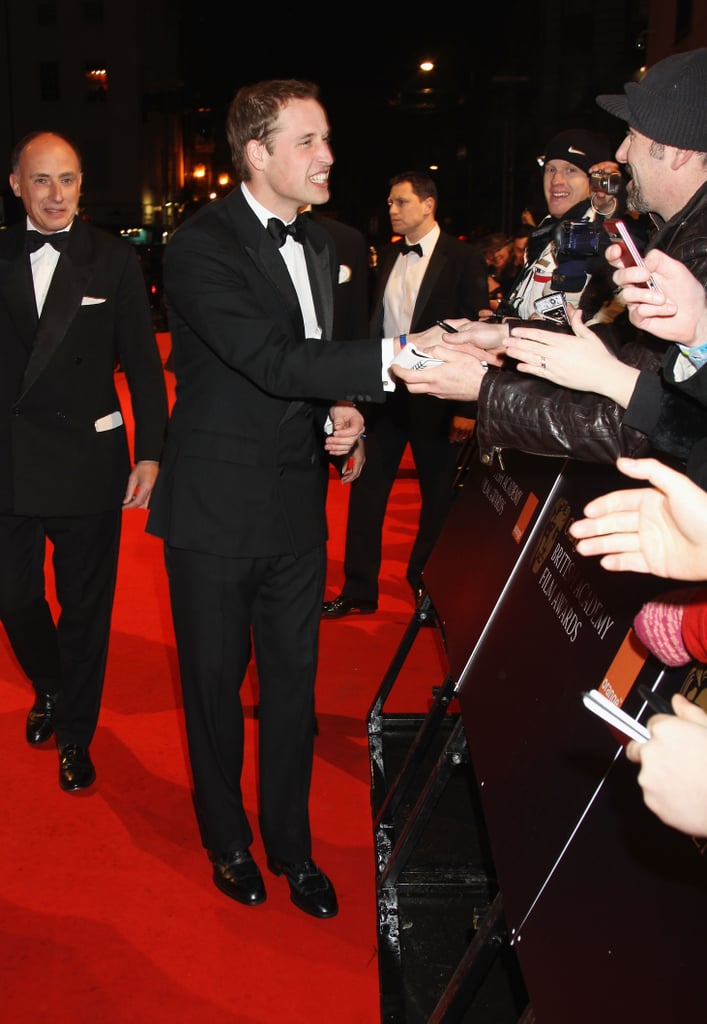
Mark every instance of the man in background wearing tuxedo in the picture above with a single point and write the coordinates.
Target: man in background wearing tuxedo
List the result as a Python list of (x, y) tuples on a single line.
[(420, 279), (73, 304)]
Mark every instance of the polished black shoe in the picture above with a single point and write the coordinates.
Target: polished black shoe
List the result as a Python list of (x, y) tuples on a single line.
[(341, 606), (40, 725), (76, 769), (237, 875), (310, 889)]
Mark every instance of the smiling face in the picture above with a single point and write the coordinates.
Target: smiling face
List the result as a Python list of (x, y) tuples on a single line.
[(564, 186), (48, 181), (500, 257), (291, 168), (645, 163)]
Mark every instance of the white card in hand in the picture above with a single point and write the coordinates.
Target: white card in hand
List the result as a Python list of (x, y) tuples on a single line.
[(411, 358), (595, 701)]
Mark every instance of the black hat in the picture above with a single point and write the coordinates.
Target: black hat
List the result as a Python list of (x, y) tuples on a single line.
[(668, 104), (579, 147)]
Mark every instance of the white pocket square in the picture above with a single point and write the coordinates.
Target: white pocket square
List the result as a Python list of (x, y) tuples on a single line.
[(109, 422), (89, 300), (344, 273)]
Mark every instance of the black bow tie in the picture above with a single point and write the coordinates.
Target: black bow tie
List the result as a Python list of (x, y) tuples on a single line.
[(405, 248), (35, 240), (280, 231)]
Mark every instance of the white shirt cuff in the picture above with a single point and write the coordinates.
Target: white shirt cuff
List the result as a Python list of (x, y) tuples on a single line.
[(387, 357)]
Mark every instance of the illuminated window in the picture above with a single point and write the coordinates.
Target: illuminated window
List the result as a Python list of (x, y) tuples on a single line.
[(96, 77)]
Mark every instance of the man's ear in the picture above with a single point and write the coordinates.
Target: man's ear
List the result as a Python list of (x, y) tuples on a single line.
[(15, 185), (682, 156), (255, 152)]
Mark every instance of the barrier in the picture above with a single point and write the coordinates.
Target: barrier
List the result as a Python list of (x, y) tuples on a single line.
[(528, 625)]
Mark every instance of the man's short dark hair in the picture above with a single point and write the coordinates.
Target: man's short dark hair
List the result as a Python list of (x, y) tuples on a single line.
[(422, 184), (254, 111)]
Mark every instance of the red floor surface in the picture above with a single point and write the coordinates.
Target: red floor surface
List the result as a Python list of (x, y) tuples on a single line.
[(108, 910)]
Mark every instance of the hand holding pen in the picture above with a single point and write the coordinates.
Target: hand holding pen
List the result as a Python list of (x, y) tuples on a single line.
[(673, 762)]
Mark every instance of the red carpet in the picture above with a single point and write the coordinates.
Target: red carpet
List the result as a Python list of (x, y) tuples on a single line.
[(108, 910)]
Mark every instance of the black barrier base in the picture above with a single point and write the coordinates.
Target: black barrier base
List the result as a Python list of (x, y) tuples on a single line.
[(436, 888)]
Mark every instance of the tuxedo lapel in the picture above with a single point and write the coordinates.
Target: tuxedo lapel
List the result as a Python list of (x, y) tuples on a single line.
[(427, 285), (264, 253), (18, 294), (319, 272), (63, 301), (267, 256)]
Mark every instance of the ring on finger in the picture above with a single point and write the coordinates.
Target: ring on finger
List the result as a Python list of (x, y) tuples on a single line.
[(543, 362)]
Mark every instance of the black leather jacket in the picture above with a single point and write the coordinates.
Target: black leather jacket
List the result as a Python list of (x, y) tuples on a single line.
[(528, 414), (670, 412)]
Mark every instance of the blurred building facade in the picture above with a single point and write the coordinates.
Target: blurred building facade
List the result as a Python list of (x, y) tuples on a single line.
[(143, 86), (105, 73)]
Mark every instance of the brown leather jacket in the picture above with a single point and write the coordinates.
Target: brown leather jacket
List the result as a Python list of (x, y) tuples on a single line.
[(528, 414)]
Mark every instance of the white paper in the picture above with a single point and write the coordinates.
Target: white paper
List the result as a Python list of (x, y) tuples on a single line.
[(411, 358), (614, 715)]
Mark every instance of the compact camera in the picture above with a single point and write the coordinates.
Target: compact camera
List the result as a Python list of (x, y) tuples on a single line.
[(553, 307), (579, 238), (600, 181)]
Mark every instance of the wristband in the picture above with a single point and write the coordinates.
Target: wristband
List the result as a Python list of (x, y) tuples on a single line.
[(697, 354), (403, 340)]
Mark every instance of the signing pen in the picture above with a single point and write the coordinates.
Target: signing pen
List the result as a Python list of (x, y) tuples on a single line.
[(447, 327), (654, 701)]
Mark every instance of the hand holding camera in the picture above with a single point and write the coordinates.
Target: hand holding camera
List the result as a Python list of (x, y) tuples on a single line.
[(606, 184)]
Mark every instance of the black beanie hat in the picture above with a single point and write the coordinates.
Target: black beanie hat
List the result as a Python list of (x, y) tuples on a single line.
[(668, 104), (579, 147)]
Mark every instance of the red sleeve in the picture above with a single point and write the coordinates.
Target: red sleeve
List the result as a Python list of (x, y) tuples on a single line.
[(694, 625)]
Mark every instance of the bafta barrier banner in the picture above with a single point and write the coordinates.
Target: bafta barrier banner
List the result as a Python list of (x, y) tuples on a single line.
[(594, 887)]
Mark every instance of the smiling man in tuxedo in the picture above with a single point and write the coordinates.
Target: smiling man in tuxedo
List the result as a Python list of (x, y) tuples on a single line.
[(72, 305), (262, 392)]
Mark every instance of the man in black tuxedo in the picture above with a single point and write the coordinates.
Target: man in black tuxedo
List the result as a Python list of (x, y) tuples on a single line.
[(72, 305), (240, 502), (421, 278)]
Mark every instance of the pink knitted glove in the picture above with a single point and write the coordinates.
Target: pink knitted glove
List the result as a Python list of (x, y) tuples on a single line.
[(658, 626)]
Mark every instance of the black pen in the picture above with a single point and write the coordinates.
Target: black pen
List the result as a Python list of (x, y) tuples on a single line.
[(654, 701), (447, 327)]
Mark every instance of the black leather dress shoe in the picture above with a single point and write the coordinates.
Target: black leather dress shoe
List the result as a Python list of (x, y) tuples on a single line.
[(237, 875), (76, 769), (310, 889), (39, 720), (341, 606)]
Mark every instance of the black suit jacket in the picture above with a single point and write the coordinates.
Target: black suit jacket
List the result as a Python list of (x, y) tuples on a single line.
[(57, 376), (454, 285), (243, 473), (351, 296)]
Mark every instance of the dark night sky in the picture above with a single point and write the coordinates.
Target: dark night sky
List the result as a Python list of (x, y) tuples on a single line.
[(365, 57)]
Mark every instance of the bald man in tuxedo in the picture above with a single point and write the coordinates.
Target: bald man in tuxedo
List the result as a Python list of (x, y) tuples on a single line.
[(73, 304)]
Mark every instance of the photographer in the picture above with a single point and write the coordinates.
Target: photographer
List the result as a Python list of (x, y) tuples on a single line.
[(565, 251)]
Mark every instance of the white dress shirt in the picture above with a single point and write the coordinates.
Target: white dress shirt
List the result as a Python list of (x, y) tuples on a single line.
[(292, 253), (404, 283), (43, 263)]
